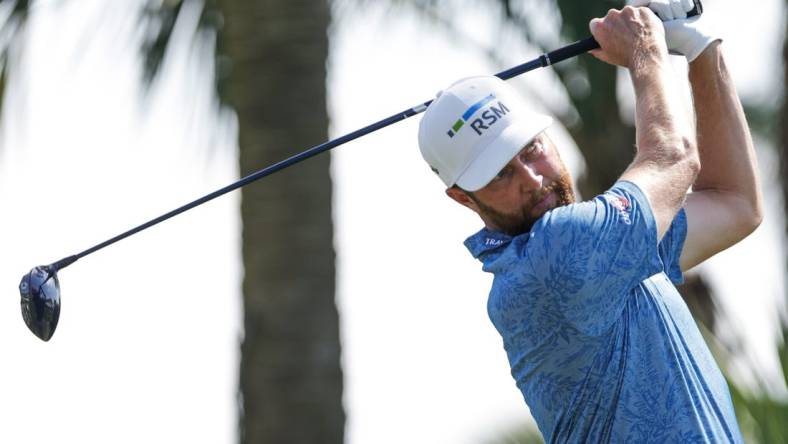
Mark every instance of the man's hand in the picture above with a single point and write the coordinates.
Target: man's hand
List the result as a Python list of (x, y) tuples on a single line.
[(630, 37), (687, 37)]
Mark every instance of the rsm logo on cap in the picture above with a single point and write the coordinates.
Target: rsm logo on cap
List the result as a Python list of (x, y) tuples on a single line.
[(487, 119)]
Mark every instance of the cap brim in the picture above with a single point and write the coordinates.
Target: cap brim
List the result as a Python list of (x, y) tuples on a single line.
[(500, 151)]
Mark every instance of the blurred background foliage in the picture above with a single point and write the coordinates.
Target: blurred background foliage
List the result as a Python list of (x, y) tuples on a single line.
[(249, 35), (762, 418)]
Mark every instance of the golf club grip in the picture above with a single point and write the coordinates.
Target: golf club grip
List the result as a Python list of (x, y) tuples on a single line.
[(569, 51), (572, 50), (582, 46), (697, 10), (550, 58)]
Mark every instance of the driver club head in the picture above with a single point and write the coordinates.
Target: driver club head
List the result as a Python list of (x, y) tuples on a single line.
[(40, 291)]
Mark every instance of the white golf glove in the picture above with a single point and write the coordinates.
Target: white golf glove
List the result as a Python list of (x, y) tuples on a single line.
[(687, 37)]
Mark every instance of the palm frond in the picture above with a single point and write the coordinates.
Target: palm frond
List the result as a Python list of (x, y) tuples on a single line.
[(523, 434), (13, 20), (159, 19), (762, 417)]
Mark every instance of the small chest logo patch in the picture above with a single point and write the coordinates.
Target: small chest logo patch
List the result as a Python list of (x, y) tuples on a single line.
[(623, 206)]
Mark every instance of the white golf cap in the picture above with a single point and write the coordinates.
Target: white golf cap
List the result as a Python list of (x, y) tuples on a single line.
[(474, 128)]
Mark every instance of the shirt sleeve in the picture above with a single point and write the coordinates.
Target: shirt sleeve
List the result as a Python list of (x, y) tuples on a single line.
[(588, 256), (671, 245)]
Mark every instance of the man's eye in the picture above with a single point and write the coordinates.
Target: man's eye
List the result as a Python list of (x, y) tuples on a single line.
[(503, 173), (532, 150)]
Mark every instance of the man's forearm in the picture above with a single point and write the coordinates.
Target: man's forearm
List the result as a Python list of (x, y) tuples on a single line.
[(663, 129), (728, 162), (667, 160)]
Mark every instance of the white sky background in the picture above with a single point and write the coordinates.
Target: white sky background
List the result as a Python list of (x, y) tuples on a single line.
[(146, 349)]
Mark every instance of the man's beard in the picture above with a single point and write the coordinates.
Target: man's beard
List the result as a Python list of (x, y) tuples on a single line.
[(521, 220)]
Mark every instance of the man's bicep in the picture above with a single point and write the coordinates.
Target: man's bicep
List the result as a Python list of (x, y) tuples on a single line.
[(663, 188), (715, 221)]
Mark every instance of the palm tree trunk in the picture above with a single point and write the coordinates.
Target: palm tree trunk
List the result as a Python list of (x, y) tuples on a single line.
[(290, 375), (782, 144)]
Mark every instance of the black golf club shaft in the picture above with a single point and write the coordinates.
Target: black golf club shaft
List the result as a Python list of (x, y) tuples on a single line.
[(544, 60)]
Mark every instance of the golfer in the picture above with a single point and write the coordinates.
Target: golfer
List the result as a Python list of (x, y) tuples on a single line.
[(600, 343)]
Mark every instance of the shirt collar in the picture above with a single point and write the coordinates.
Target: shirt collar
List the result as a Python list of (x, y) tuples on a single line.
[(485, 241)]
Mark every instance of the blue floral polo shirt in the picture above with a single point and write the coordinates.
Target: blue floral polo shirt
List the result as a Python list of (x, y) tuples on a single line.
[(600, 343)]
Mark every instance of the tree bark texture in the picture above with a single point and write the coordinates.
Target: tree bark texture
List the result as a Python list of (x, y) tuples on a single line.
[(782, 144), (290, 375)]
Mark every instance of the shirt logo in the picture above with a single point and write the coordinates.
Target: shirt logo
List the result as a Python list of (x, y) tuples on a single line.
[(623, 206), (488, 117)]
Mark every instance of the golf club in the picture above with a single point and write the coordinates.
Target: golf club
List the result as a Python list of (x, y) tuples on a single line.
[(40, 288)]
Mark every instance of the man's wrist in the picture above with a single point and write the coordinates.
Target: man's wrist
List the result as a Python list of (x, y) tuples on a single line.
[(648, 65), (709, 55)]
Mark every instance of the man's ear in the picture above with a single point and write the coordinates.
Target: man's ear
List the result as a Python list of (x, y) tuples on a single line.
[(461, 196)]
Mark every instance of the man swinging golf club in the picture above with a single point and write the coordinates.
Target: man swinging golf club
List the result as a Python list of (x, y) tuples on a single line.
[(599, 341)]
